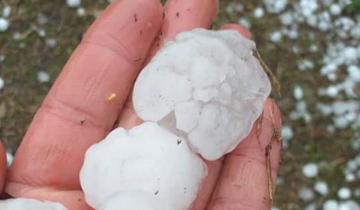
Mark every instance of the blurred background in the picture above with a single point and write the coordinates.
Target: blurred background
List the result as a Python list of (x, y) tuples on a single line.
[(313, 47)]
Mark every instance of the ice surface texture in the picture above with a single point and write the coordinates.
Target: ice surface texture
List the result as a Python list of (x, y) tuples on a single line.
[(146, 166), (206, 86), (29, 204)]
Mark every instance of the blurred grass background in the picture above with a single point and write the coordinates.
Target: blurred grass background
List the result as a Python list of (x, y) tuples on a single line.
[(43, 34)]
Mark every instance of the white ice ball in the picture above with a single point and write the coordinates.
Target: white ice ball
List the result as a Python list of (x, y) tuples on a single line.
[(73, 3), (344, 193), (2, 83), (310, 170), (29, 204), (206, 86), (146, 159), (4, 24), (331, 205), (321, 188)]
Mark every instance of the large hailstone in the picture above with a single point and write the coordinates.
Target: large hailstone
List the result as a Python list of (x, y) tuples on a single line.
[(29, 204), (147, 164), (206, 86)]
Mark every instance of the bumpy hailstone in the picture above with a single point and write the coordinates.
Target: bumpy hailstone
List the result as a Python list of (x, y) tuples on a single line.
[(135, 201), (146, 163), (29, 204), (206, 86)]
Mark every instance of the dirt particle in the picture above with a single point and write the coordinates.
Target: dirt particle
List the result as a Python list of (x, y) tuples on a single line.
[(177, 14), (137, 60), (157, 192), (82, 122), (135, 18), (179, 141), (111, 97)]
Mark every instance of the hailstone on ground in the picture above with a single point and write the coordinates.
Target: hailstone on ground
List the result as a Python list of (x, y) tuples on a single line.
[(29, 204), (145, 166), (206, 86)]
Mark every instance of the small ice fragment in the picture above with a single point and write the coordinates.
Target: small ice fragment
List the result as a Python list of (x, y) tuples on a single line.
[(321, 188), (287, 133), (4, 24), (51, 42), (73, 3), (259, 12), (81, 11), (310, 170), (350, 177), (244, 22), (9, 158), (349, 205), (287, 18), (306, 194), (41, 32), (354, 72), (2, 83), (217, 71), (298, 92), (43, 76), (276, 36), (275, 6), (335, 9), (344, 193), (147, 159), (6, 11), (331, 205), (332, 91), (29, 204)]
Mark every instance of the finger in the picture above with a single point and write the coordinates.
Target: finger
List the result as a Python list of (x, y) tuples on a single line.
[(3, 166), (84, 102), (179, 16), (244, 183), (214, 167)]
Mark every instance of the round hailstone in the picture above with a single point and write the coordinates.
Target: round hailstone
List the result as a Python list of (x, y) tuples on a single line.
[(287, 133), (73, 3), (2, 83), (276, 36), (331, 205), (344, 193), (205, 86), (275, 6), (321, 188), (29, 204), (306, 194), (349, 205), (310, 170), (259, 12), (43, 76), (335, 9), (298, 93), (4, 24), (81, 11), (146, 159), (6, 11)]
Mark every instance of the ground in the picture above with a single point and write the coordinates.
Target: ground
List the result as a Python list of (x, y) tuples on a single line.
[(42, 35)]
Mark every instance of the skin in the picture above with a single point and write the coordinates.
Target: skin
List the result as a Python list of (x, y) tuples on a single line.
[(90, 95)]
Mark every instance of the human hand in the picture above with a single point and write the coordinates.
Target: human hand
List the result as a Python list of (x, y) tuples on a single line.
[(87, 98)]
